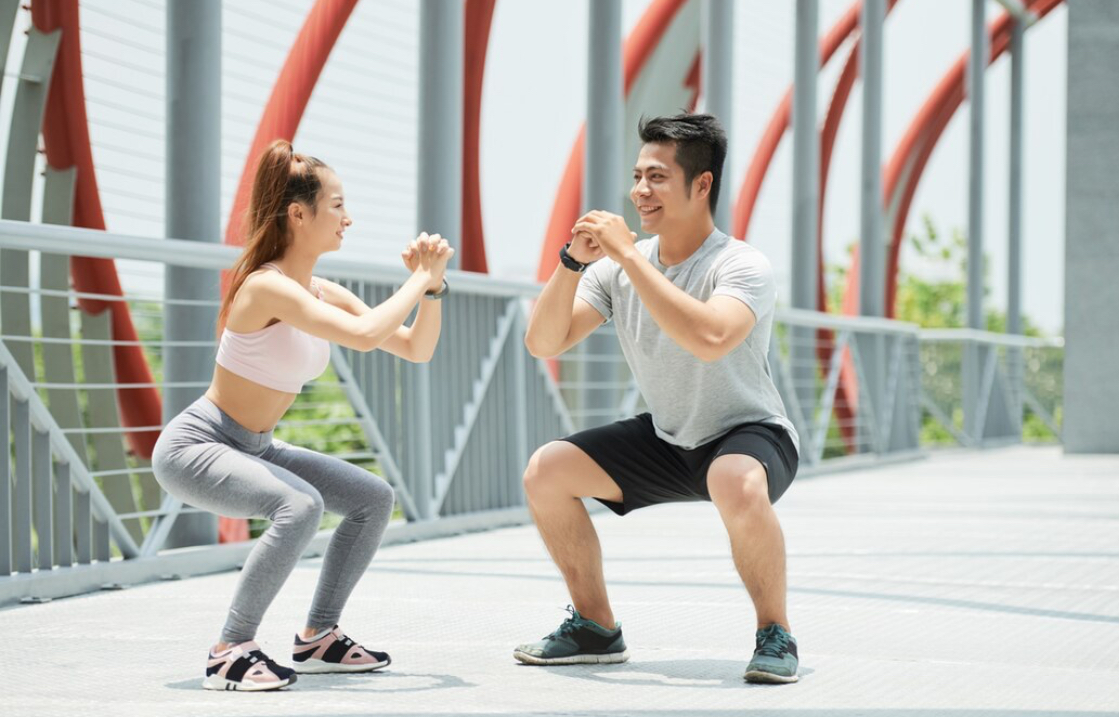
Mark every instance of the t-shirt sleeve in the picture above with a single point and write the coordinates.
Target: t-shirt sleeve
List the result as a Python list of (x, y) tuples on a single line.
[(748, 277), (594, 287)]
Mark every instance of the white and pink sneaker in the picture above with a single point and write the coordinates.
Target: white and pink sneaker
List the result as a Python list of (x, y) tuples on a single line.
[(244, 667), (334, 652)]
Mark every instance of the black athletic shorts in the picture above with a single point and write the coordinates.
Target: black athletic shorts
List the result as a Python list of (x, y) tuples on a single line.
[(650, 470)]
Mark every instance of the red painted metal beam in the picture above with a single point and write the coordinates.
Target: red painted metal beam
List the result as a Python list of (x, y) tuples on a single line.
[(479, 18), (289, 97), (66, 140), (779, 123)]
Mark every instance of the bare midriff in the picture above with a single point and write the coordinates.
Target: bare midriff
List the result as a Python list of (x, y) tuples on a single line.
[(257, 408)]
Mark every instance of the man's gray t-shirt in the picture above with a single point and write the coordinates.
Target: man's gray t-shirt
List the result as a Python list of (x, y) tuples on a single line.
[(693, 402)]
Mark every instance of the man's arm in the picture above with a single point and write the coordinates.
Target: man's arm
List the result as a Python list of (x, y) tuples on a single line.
[(707, 330), (559, 320)]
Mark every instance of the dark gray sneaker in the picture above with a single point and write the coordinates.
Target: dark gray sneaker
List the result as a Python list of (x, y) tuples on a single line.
[(577, 641), (775, 657)]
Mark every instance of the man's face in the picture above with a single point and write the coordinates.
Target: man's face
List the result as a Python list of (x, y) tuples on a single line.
[(659, 192)]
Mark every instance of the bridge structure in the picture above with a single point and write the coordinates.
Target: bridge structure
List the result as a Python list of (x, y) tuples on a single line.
[(924, 499)]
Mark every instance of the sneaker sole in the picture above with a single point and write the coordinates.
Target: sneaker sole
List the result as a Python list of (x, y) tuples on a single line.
[(607, 658), (213, 682), (768, 678), (319, 667)]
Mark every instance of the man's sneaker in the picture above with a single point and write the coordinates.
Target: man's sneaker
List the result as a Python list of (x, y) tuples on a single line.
[(244, 667), (775, 657), (334, 652), (577, 641)]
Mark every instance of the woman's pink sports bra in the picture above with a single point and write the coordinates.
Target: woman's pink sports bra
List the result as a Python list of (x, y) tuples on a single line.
[(279, 356)]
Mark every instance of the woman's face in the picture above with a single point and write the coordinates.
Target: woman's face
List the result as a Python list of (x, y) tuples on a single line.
[(322, 231)]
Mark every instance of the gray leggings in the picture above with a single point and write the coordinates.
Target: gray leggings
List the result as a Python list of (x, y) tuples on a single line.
[(208, 460)]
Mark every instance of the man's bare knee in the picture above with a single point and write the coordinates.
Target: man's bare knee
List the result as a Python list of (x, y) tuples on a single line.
[(738, 487), (562, 470), (544, 476)]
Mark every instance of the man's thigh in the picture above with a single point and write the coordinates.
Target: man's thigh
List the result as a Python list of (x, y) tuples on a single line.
[(565, 465), (767, 444), (647, 469)]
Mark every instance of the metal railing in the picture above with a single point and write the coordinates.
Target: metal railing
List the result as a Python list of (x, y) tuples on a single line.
[(452, 436), (984, 388)]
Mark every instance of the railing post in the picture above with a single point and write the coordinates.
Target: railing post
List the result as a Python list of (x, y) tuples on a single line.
[(21, 506), (520, 390), (6, 522)]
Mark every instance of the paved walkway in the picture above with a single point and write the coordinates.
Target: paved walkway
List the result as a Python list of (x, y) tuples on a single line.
[(969, 583)]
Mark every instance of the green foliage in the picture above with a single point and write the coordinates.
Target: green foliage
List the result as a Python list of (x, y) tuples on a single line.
[(941, 303)]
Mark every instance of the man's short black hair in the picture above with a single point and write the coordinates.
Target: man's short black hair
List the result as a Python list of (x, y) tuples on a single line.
[(701, 146)]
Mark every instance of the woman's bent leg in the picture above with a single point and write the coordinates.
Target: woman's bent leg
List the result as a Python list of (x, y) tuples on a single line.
[(218, 478), (364, 500)]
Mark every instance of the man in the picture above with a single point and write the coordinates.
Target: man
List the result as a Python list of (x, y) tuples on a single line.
[(694, 311)]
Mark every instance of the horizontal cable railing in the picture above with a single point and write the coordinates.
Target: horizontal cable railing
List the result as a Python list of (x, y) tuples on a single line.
[(453, 436), (980, 387)]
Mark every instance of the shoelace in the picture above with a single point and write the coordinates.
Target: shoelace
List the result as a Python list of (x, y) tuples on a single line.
[(571, 624), (773, 643)]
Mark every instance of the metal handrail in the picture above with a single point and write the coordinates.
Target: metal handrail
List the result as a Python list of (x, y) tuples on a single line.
[(74, 241), (42, 421)]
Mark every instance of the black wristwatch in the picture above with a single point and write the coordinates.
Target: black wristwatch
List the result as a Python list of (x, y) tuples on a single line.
[(576, 266), (437, 295)]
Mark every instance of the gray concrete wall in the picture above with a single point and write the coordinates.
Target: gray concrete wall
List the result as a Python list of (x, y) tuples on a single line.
[(1091, 400)]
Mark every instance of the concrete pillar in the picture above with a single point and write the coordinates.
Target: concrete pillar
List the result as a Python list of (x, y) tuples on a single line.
[(602, 176), (193, 212), (718, 87), (806, 194), (1092, 229), (972, 355), (440, 148)]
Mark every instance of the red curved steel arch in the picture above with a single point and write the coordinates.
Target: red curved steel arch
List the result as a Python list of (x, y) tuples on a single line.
[(923, 134), (478, 21), (565, 211), (779, 122), (907, 164), (66, 140), (297, 79), (289, 97)]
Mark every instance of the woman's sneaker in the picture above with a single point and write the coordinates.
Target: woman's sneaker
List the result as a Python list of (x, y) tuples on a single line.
[(775, 656), (577, 641), (334, 652), (244, 667)]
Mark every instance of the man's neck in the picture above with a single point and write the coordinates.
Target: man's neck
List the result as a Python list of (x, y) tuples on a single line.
[(676, 246)]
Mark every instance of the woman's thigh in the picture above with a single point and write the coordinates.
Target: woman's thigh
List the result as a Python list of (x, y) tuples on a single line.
[(221, 479), (343, 486)]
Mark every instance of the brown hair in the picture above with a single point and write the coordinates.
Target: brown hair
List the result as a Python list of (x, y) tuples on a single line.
[(282, 177)]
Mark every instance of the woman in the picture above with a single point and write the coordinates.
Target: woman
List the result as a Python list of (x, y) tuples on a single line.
[(219, 454)]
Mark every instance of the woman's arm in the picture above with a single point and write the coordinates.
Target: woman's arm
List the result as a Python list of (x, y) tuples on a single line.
[(415, 343), (269, 295)]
